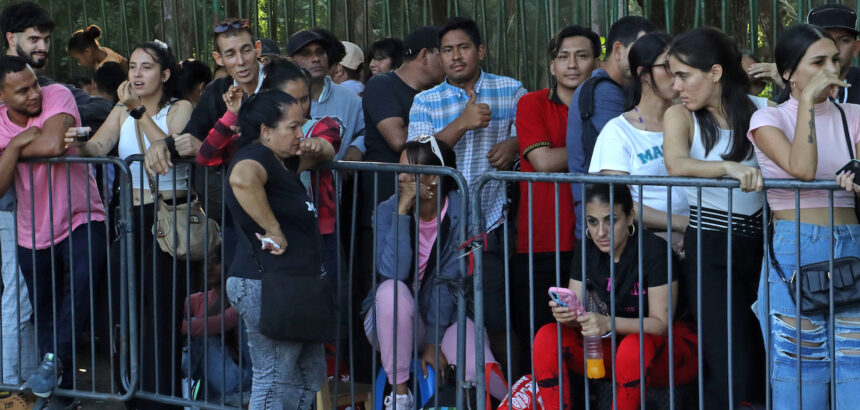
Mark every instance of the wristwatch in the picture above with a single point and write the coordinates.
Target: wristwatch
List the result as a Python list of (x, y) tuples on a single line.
[(137, 113)]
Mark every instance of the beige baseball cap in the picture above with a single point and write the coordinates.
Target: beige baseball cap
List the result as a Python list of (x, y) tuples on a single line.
[(354, 56)]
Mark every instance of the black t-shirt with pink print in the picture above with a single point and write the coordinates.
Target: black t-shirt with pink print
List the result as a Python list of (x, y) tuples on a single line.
[(654, 273)]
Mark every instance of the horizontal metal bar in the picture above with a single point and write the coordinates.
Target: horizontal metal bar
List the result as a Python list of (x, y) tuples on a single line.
[(646, 180)]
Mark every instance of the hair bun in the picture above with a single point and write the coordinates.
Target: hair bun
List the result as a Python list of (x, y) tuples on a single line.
[(94, 31)]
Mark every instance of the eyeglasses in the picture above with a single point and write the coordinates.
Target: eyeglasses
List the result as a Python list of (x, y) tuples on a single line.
[(230, 24), (434, 146), (665, 66)]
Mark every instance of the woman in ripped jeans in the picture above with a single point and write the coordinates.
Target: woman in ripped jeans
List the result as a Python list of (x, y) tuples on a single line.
[(264, 172), (805, 138)]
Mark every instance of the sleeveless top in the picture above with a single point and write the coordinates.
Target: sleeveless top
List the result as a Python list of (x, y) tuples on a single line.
[(295, 212), (128, 146), (746, 206)]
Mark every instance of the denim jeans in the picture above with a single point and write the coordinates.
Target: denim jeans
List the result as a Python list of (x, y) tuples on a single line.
[(19, 346), (816, 346), (212, 362), (287, 375), (69, 263)]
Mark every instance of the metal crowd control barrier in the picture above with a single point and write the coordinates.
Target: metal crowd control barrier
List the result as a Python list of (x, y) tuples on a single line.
[(372, 171), (698, 184), (210, 188), (116, 354)]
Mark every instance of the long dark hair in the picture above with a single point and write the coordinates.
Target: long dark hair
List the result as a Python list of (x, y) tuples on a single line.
[(644, 53), (280, 71), (791, 48), (702, 48), (160, 52), (264, 108), (193, 73), (419, 153)]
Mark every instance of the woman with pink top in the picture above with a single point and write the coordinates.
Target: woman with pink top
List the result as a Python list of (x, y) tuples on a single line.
[(438, 280), (806, 138)]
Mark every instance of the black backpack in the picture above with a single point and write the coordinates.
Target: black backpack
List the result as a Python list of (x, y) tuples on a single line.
[(586, 111)]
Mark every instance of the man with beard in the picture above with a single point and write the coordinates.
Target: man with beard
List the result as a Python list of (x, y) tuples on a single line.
[(27, 31)]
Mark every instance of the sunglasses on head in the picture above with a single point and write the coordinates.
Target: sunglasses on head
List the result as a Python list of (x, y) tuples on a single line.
[(232, 24)]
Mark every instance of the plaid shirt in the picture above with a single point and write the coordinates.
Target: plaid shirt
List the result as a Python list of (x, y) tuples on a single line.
[(434, 109)]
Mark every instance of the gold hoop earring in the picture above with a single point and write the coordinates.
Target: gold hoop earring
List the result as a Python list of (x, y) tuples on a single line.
[(631, 230)]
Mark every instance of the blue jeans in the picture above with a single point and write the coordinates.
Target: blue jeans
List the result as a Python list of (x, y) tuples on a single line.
[(213, 363), (52, 267), (816, 346), (287, 375)]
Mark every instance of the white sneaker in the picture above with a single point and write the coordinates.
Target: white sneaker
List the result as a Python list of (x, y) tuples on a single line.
[(403, 401)]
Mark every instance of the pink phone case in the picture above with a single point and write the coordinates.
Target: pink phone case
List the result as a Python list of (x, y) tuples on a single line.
[(566, 297)]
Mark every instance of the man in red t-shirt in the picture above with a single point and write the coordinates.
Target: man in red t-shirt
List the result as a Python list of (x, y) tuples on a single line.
[(541, 128)]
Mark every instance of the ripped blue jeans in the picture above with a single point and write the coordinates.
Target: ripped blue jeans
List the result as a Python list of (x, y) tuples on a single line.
[(816, 346)]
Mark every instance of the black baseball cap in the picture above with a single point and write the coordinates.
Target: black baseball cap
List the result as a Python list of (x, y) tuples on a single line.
[(269, 47), (424, 37), (301, 39), (834, 16)]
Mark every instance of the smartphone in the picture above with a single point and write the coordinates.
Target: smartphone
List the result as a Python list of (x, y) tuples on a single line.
[(82, 134), (565, 297), (851, 166)]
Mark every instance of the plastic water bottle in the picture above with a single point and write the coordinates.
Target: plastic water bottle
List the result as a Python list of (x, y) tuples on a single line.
[(594, 357)]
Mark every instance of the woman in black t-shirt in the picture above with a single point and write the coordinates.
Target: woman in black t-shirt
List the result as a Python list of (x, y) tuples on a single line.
[(600, 250), (272, 208)]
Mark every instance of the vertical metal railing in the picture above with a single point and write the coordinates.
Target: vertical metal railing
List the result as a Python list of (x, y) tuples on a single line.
[(730, 309)]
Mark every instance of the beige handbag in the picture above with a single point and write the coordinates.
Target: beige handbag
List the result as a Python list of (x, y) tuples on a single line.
[(186, 236)]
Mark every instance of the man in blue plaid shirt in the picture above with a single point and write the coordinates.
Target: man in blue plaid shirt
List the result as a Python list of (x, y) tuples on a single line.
[(474, 112)]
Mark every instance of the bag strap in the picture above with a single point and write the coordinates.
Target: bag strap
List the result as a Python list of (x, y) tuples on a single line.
[(142, 146), (845, 129), (586, 97)]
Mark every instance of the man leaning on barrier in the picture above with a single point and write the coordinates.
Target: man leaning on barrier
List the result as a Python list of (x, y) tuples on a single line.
[(56, 229)]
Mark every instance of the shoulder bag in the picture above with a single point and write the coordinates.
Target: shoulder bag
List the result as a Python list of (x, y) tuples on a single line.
[(182, 230)]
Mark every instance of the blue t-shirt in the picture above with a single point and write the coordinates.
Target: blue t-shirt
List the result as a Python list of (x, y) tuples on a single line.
[(609, 103)]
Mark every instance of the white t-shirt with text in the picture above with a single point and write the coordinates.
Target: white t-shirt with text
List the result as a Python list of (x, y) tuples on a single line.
[(623, 147)]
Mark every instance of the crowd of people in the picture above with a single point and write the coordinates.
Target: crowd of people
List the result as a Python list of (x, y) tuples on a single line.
[(247, 137)]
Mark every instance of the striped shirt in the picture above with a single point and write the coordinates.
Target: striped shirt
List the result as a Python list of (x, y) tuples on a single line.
[(433, 109)]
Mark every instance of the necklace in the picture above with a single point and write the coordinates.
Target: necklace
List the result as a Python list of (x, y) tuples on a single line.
[(642, 123)]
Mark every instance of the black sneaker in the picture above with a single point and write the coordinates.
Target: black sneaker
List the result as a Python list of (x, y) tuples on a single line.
[(46, 378)]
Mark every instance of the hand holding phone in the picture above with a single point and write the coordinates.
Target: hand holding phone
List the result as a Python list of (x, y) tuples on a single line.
[(566, 298), (852, 166)]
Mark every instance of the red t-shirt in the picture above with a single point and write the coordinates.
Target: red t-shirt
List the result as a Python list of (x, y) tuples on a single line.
[(542, 121)]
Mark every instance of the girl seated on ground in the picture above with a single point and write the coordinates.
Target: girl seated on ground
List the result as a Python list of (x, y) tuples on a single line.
[(435, 309), (599, 248)]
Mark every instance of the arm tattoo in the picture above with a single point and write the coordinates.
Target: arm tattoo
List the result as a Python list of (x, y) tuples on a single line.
[(811, 137), (68, 122)]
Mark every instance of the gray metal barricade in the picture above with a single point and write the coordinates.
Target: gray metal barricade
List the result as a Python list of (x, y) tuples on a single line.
[(108, 373), (374, 172), (698, 184)]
